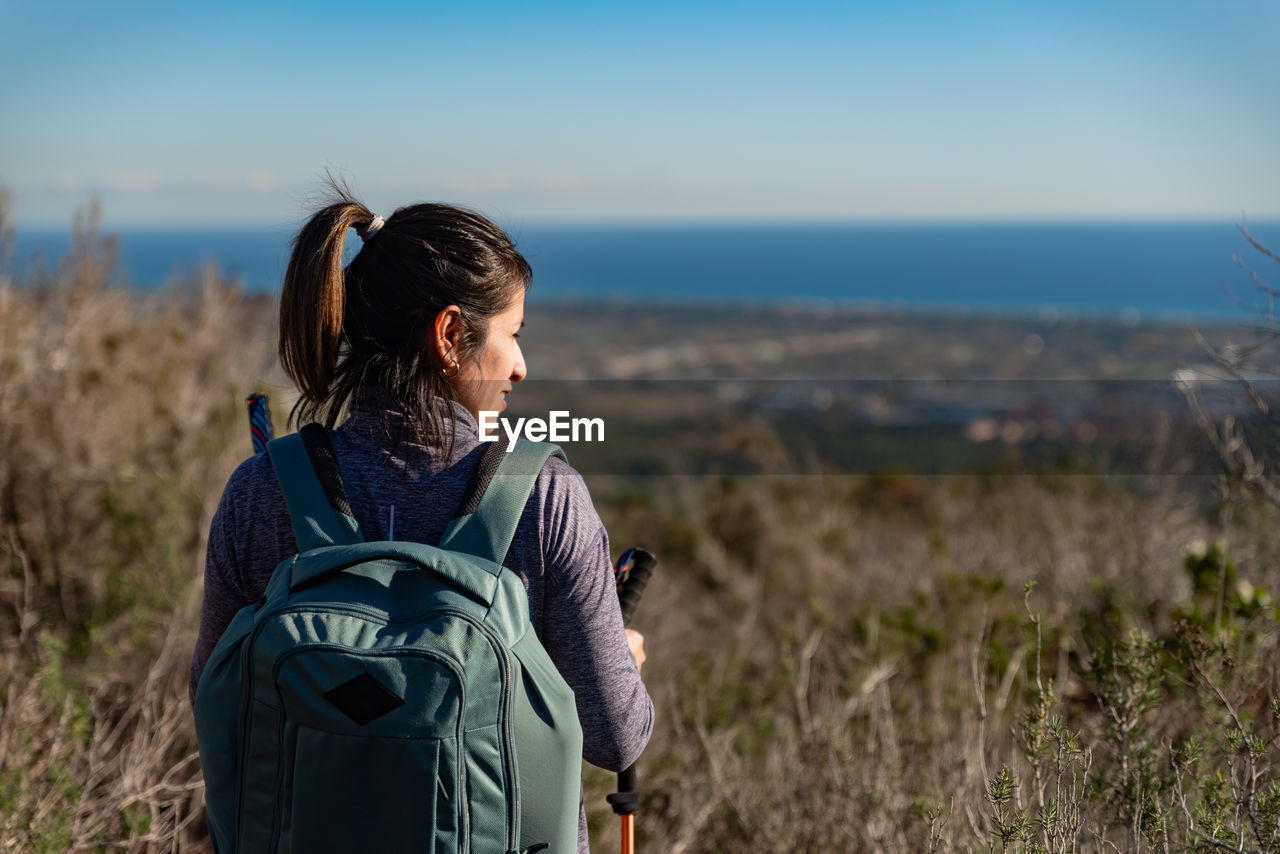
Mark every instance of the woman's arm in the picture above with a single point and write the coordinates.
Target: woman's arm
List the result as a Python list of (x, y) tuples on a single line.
[(582, 625), (584, 636)]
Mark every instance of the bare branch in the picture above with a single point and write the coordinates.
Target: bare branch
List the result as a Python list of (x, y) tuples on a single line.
[(1257, 244)]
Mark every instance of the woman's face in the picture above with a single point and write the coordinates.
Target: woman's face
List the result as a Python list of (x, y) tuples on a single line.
[(484, 380)]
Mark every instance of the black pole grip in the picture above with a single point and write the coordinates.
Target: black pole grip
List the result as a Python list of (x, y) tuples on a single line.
[(626, 800), (637, 580)]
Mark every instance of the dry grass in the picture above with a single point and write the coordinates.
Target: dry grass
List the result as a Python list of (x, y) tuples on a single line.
[(119, 413), (845, 664)]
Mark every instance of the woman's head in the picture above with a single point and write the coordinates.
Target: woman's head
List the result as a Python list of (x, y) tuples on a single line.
[(427, 310)]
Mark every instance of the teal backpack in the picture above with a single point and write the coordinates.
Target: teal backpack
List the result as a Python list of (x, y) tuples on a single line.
[(390, 696)]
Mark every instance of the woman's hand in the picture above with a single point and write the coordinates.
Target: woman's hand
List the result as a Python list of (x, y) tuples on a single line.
[(636, 641)]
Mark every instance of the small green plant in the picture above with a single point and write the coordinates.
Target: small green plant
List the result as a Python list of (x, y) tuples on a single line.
[(1221, 602), (1116, 777), (1129, 675), (1059, 763), (1013, 828)]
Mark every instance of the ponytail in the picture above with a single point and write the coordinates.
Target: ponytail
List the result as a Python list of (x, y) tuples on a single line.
[(313, 300), (368, 325)]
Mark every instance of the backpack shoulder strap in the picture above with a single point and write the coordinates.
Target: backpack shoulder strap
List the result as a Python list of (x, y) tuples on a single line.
[(487, 520), (307, 471)]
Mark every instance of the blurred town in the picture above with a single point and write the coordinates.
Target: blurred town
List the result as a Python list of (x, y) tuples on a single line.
[(856, 389)]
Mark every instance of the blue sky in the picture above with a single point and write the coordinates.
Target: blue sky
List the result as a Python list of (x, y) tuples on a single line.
[(228, 113)]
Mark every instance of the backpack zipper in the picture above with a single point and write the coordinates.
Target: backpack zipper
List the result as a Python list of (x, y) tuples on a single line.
[(508, 736), (503, 654)]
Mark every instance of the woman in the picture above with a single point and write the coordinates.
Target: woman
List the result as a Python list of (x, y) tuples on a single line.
[(414, 338)]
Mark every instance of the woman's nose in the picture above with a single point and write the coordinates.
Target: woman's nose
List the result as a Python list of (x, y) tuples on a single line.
[(519, 369)]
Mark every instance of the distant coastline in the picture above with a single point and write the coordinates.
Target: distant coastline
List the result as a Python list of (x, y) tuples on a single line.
[(1128, 271)]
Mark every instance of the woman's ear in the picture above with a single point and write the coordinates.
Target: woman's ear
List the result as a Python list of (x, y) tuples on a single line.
[(446, 331)]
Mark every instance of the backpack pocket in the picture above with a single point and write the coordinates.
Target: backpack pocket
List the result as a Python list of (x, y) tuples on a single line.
[(345, 793), (368, 752)]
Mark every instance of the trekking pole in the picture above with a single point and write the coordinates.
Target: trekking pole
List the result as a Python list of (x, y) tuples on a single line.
[(259, 421), (632, 573)]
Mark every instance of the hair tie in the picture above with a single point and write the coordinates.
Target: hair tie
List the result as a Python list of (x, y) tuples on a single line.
[(367, 233)]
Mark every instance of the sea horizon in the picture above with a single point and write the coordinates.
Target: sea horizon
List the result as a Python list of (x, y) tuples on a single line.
[(1131, 270)]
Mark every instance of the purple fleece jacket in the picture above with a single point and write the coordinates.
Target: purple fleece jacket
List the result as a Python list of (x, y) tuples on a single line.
[(560, 552)]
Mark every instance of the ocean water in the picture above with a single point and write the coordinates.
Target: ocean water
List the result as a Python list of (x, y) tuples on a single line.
[(1134, 270)]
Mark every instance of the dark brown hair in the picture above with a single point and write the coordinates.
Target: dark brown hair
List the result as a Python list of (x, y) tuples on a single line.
[(372, 323)]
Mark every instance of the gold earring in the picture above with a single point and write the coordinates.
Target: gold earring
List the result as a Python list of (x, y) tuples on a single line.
[(456, 367)]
